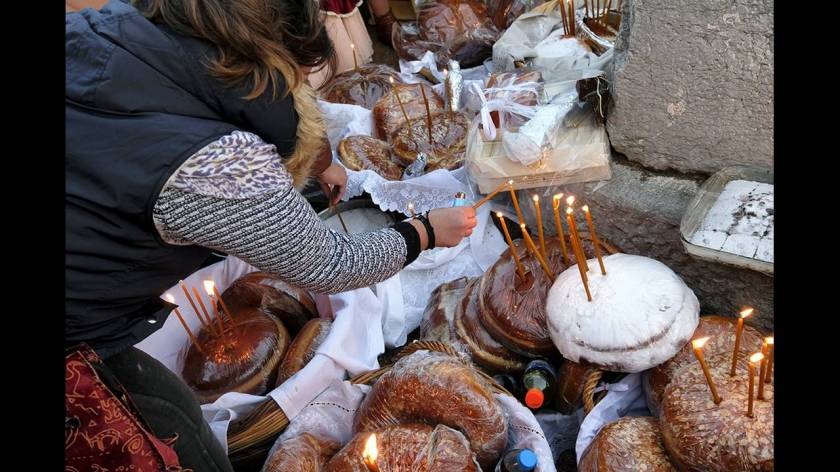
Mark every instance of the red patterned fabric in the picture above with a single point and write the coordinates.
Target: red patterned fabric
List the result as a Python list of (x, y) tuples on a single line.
[(340, 7), (103, 430)]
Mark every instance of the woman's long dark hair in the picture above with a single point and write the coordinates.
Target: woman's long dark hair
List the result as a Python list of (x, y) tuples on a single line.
[(257, 39)]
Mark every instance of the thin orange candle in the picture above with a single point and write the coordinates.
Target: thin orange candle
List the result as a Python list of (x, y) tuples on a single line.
[(697, 345), (208, 287), (535, 252), (578, 255), (573, 231), (770, 344), (762, 371), (428, 112), (754, 359), (399, 101), (519, 269), (193, 339), (204, 310), (739, 328), (540, 235), (355, 64), (562, 237), (224, 307), (370, 453), (192, 303), (515, 202), (594, 237), (490, 195)]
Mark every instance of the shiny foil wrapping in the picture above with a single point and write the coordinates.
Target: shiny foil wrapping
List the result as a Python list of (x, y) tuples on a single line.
[(417, 168), (454, 85)]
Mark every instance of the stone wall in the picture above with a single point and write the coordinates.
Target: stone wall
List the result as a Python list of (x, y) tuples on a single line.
[(693, 84)]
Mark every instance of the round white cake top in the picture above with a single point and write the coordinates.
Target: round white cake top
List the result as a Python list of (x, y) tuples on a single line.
[(640, 315)]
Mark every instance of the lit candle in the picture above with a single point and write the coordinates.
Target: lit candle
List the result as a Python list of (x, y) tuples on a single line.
[(224, 307), (762, 371), (594, 237), (739, 328), (194, 340), (578, 253), (698, 344), (355, 64), (519, 269), (555, 203), (192, 303), (769, 374), (540, 235), (428, 112), (515, 202), (573, 232), (535, 252), (411, 209), (204, 309), (370, 454), (754, 359), (208, 287), (490, 195)]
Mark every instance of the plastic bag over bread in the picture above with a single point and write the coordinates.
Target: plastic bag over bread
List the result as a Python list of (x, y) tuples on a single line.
[(363, 86)]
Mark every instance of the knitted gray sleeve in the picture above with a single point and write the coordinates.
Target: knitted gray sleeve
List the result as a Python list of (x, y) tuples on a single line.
[(264, 221)]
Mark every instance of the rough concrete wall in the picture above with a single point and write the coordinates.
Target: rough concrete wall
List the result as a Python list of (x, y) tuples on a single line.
[(693, 84), (640, 211)]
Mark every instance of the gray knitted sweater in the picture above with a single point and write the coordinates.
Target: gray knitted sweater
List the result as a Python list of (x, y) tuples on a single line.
[(235, 196)]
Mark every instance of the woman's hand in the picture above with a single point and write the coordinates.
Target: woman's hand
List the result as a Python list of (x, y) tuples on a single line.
[(333, 182), (451, 225)]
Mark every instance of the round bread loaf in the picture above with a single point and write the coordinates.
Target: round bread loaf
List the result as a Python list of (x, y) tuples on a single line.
[(721, 333), (303, 348), (512, 309), (436, 324), (367, 153), (435, 388), (291, 305), (362, 86), (640, 315), (387, 114), (448, 146), (484, 350), (304, 453), (244, 359), (408, 448), (462, 29), (700, 435), (631, 444)]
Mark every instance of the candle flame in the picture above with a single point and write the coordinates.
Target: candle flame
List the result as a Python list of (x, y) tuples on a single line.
[(171, 299), (352, 46), (571, 200), (522, 225), (700, 342), (499, 214), (371, 452), (410, 206), (510, 182), (536, 198), (756, 358), (769, 340), (568, 211), (558, 196), (209, 285), (445, 72), (391, 79), (746, 313), (585, 208)]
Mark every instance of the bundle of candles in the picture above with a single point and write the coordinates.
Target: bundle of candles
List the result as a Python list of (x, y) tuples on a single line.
[(216, 324), (567, 15), (540, 253), (762, 360), (599, 9)]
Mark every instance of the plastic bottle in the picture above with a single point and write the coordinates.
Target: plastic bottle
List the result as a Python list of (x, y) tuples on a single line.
[(517, 460), (539, 382)]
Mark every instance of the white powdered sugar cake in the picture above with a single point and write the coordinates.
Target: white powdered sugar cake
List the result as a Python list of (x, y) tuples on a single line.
[(640, 315)]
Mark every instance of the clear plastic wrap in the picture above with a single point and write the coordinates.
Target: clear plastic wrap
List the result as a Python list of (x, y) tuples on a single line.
[(367, 153), (408, 448), (504, 12), (244, 359), (447, 146), (700, 435), (387, 113), (484, 350), (459, 30), (303, 348), (304, 453), (292, 306), (721, 331), (363, 86), (512, 309), (436, 388), (640, 315), (508, 100), (628, 445), (436, 324)]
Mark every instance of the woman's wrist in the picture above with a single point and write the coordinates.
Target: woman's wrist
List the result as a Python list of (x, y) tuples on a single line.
[(421, 233)]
